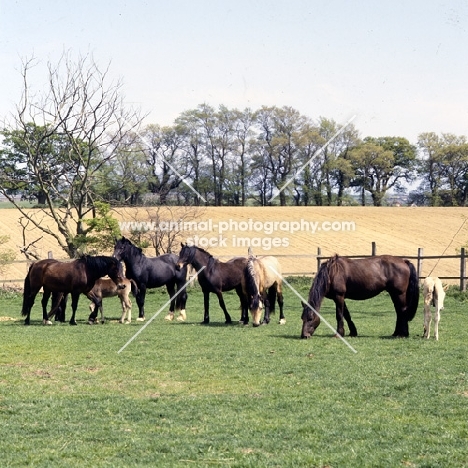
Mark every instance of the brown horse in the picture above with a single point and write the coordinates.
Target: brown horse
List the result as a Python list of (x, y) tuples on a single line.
[(341, 278), (262, 285), (216, 277), (73, 277)]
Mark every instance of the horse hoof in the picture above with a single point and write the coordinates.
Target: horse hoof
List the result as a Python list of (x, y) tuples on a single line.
[(46, 322), (169, 317), (140, 319), (282, 322), (182, 316)]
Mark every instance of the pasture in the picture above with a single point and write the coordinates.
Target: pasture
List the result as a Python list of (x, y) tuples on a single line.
[(186, 394)]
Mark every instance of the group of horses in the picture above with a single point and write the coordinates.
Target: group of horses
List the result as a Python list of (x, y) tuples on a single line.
[(256, 280)]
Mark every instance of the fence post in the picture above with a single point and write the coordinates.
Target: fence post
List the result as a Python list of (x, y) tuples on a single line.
[(319, 253), (420, 262), (462, 269), (374, 249)]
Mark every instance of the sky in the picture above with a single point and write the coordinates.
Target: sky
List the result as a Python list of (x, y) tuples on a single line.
[(399, 66)]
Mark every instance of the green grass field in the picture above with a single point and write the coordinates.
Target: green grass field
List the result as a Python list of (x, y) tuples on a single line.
[(184, 394)]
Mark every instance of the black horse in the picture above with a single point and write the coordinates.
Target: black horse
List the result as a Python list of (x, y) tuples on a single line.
[(73, 277), (361, 279), (215, 278), (153, 272)]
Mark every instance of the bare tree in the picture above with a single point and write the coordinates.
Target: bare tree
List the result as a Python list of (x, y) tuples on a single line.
[(83, 110), (163, 227)]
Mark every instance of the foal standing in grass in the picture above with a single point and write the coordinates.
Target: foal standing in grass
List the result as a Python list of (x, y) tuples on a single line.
[(434, 294)]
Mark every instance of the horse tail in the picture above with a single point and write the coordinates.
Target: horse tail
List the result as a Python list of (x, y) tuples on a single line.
[(412, 292), (251, 287), (133, 287), (26, 291)]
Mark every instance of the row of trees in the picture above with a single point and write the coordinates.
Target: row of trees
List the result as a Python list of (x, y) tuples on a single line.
[(76, 143)]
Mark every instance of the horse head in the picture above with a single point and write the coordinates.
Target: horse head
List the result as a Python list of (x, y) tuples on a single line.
[(256, 305), (310, 320), (124, 248), (186, 255), (115, 272)]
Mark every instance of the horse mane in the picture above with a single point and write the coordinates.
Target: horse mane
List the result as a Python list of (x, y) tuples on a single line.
[(98, 262), (321, 281), (251, 285), (125, 241), (211, 260)]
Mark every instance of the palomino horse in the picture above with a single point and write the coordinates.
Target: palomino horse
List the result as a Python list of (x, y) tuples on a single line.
[(434, 294), (105, 287), (153, 272), (75, 277), (341, 278), (216, 278), (262, 285)]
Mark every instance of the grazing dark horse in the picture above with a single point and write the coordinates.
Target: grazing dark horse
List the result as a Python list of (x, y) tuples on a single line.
[(341, 278), (75, 277), (262, 285), (153, 272), (216, 278)]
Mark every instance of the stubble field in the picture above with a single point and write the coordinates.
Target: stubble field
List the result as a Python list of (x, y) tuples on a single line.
[(293, 233)]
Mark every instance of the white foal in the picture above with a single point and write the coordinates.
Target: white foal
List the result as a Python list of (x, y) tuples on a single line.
[(434, 294)]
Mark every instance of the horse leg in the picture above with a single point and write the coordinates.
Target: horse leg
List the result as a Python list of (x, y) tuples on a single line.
[(339, 303), (92, 319), (269, 301), (427, 320), (61, 301), (223, 306), (28, 302), (181, 301), (128, 306), (124, 309), (267, 307), (44, 301), (436, 320), (347, 316), (279, 293), (171, 291), (206, 304), (244, 320), (140, 299), (401, 326), (75, 297)]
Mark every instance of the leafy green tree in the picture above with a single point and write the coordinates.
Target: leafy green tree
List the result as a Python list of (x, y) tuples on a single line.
[(101, 232), (278, 147), (430, 165), (381, 164)]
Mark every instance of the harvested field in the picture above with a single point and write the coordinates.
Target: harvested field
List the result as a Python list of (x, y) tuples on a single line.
[(292, 231)]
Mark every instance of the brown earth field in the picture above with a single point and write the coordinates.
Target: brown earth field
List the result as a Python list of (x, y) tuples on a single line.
[(294, 234)]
